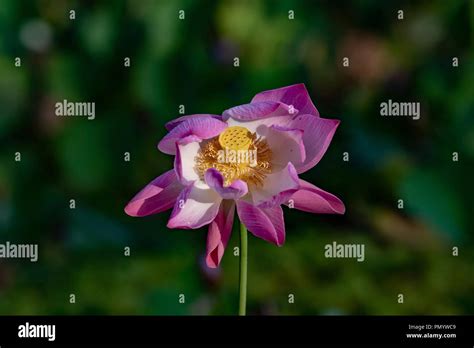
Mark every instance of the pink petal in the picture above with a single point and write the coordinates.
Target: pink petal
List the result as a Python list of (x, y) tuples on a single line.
[(295, 95), (286, 144), (277, 187), (261, 126), (186, 150), (159, 195), (215, 180), (173, 123), (219, 233), (318, 133), (202, 127), (194, 208), (265, 223), (255, 111), (315, 200)]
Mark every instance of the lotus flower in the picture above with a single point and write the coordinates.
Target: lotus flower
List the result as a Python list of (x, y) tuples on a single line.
[(247, 159)]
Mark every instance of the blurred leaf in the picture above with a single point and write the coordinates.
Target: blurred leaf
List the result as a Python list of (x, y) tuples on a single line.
[(91, 230), (84, 154), (98, 32), (13, 89), (431, 198)]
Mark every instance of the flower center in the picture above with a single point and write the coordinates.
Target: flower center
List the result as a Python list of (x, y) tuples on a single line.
[(236, 153)]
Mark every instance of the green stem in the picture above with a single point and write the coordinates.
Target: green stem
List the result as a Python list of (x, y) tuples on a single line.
[(243, 270)]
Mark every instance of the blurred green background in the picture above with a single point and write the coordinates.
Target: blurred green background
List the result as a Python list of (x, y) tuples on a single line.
[(190, 62)]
